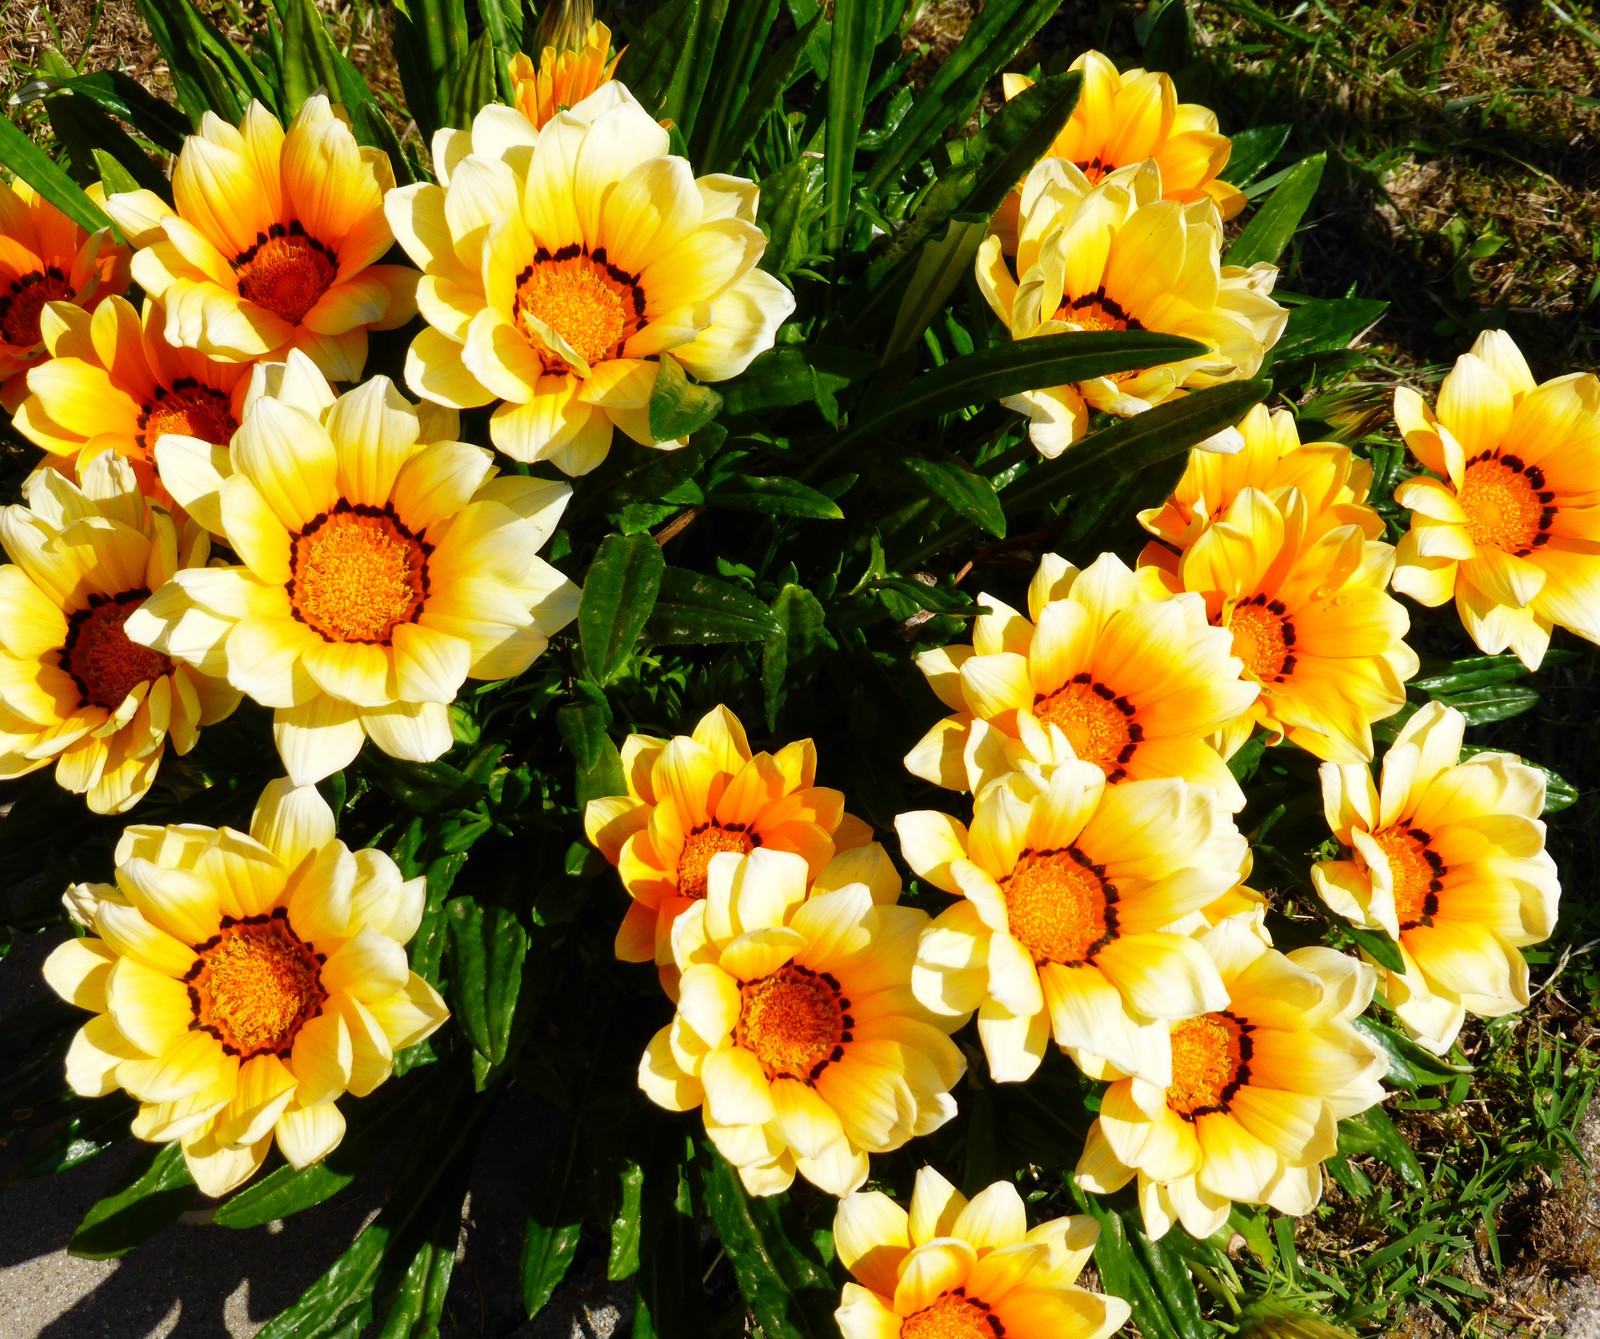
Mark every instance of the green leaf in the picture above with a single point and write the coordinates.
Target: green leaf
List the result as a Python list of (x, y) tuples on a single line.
[(98, 1126), (942, 264), (471, 85), (91, 138), (25, 158), (773, 496), (487, 950), (113, 174), (1373, 1132), (308, 55), (855, 34), (619, 592), (786, 1288), (1137, 443), (583, 730), (1491, 702), (210, 63), (925, 596), (1410, 1066), (794, 374), (1124, 1274), (623, 1260), (695, 608), (993, 38), (679, 407), (1008, 369), (428, 41), (1325, 325), (555, 1226), (503, 22), (161, 1190), (672, 1300), (765, 97), (962, 489), (739, 47), (1272, 228), (121, 96), (1252, 151), (1477, 672), (1377, 946)]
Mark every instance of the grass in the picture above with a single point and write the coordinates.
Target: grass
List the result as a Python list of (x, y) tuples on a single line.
[(1463, 187)]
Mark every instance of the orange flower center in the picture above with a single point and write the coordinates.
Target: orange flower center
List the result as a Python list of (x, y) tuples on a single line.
[(953, 1315), (1210, 1060), (186, 409), (1506, 502), (1262, 637), (285, 271), (1096, 311), (23, 302), (1097, 722), (704, 842), (593, 305), (795, 1022), (1416, 872), (104, 663), (255, 984), (356, 573), (1059, 905)]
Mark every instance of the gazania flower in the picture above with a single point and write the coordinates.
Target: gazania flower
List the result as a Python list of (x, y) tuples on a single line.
[(1448, 860), (795, 1031), (954, 1269), (1069, 895), (74, 690), (1116, 256), (1513, 531), (694, 796), (377, 573), (273, 243), (560, 264), (1257, 1090), (1310, 620), (1132, 679), (1331, 478), (564, 76), (113, 383), (45, 257), (240, 983), (1125, 117)]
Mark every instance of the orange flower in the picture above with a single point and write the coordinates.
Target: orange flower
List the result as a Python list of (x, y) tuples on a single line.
[(46, 257), (690, 798), (564, 78), (113, 383)]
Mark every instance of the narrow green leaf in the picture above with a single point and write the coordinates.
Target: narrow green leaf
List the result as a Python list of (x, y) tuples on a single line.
[(502, 21), (994, 37), (1410, 1066), (1491, 702), (90, 136), (962, 489), (656, 51), (678, 406), (1321, 326), (1373, 1132), (855, 33), (555, 1226), (96, 1128), (942, 264), (695, 608), (428, 43), (160, 1191), (583, 730), (1137, 443), (25, 158), (488, 948), (1272, 228), (1124, 1273), (773, 496), (112, 173), (786, 1288), (623, 1260), (765, 97), (308, 54), (933, 599), (1377, 946), (1478, 672), (1252, 151), (1008, 369), (739, 48), (122, 96), (794, 374), (471, 85), (1174, 1284), (619, 592)]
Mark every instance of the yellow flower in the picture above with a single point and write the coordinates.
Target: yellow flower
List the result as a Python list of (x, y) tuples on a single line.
[(1077, 902), (1448, 860), (74, 690), (378, 571), (1257, 1090), (45, 257), (273, 243), (564, 77), (695, 795), (240, 983), (1124, 117), (1331, 478), (954, 1269), (1116, 256), (1514, 531), (1310, 620), (1111, 669), (560, 264), (795, 1030), (113, 383)]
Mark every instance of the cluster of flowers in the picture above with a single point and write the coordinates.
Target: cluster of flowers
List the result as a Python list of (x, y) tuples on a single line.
[(241, 982)]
